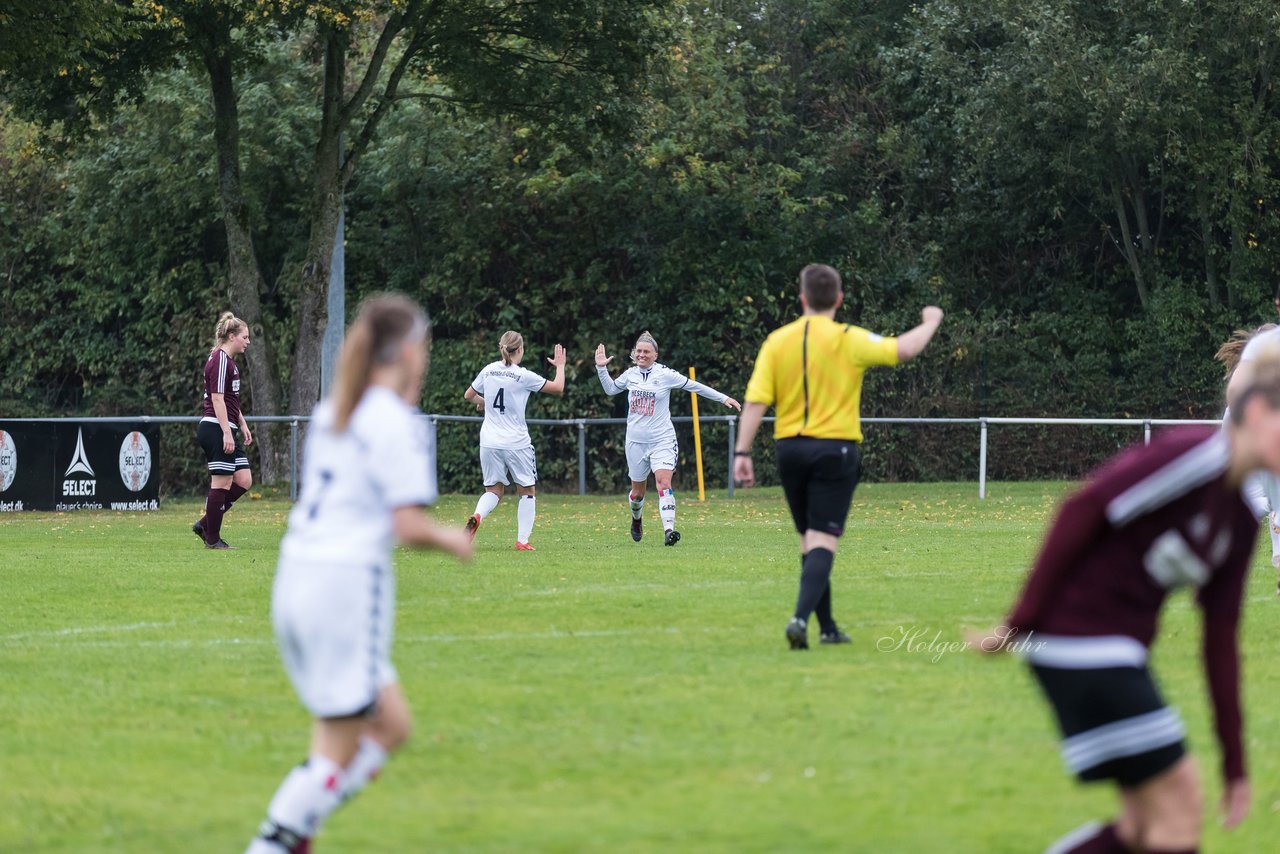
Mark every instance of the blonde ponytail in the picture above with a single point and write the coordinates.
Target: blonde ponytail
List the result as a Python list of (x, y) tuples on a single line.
[(508, 345), (382, 326), (1229, 353)]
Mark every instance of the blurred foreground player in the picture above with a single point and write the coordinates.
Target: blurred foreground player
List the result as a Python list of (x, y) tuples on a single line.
[(1237, 355), (365, 481), (1168, 515)]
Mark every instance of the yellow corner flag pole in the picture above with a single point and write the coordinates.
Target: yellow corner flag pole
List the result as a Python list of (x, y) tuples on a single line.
[(697, 442)]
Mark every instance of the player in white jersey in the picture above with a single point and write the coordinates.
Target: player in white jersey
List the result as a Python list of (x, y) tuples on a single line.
[(366, 478), (501, 391), (651, 437), (1262, 488)]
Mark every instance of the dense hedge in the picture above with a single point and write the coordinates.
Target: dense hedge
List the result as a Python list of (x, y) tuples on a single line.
[(928, 151)]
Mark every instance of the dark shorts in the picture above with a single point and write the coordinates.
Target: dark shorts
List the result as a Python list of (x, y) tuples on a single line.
[(818, 477), (220, 462), (1114, 723)]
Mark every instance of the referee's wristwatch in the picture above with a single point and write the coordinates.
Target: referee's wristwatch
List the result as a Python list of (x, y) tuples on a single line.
[(746, 454)]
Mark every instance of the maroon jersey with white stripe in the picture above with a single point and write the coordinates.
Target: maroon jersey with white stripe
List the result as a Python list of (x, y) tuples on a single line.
[(222, 376), (1153, 519)]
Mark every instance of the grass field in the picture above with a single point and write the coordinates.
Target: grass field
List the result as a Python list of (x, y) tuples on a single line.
[(597, 695)]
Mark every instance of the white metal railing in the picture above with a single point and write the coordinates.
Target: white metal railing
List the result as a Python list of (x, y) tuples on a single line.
[(983, 424)]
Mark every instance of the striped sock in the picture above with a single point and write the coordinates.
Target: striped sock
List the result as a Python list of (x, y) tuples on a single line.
[(667, 508)]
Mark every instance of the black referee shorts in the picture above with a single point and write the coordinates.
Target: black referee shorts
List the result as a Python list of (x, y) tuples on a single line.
[(1114, 723), (818, 477)]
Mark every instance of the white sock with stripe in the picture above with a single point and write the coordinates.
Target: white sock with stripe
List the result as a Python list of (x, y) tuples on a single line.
[(308, 795), (667, 508), (637, 505), (364, 768), (526, 510)]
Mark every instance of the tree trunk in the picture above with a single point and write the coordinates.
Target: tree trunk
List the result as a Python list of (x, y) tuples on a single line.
[(245, 281), (1210, 263), (313, 308), (1236, 269), (1127, 247), (326, 202), (1139, 205)]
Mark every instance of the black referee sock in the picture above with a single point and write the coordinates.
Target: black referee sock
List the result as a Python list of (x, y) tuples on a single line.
[(815, 578), (826, 621), (823, 611)]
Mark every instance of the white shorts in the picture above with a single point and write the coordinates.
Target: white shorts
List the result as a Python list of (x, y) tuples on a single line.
[(506, 466), (644, 458), (334, 624)]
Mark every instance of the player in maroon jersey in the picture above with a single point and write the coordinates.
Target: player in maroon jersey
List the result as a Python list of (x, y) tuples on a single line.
[(223, 432), (1172, 514)]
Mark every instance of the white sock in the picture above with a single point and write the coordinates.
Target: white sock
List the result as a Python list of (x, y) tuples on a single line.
[(304, 800), (364, 767), (637, 506), (667, 508), (526, 510), (485, 505)]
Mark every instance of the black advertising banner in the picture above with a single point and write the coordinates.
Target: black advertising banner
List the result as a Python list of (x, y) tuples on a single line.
[(78, 466), (27, 454)]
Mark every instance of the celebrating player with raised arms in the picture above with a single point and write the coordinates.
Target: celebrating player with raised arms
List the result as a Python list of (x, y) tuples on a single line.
[(366, 477), (501, 390), (651, 437)]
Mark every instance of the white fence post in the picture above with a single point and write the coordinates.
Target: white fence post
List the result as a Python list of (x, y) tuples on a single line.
[(733, 443), (982, 459), (293, 460), (582, 457)]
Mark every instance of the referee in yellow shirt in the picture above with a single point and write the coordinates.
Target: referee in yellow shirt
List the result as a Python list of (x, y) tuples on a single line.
[(811, 371)]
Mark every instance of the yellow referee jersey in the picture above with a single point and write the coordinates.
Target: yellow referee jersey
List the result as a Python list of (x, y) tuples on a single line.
[(810, 371)]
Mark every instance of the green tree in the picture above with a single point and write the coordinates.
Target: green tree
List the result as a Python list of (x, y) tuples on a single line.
[(571, 58)]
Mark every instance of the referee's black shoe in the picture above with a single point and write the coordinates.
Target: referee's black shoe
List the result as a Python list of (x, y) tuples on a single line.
[(198, 530), (834, 636), (673, 537), (797, 634), (637, 528)]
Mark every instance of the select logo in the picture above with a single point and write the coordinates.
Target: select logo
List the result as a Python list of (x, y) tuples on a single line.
[(135, 461), (8, 461), (79, 487)]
